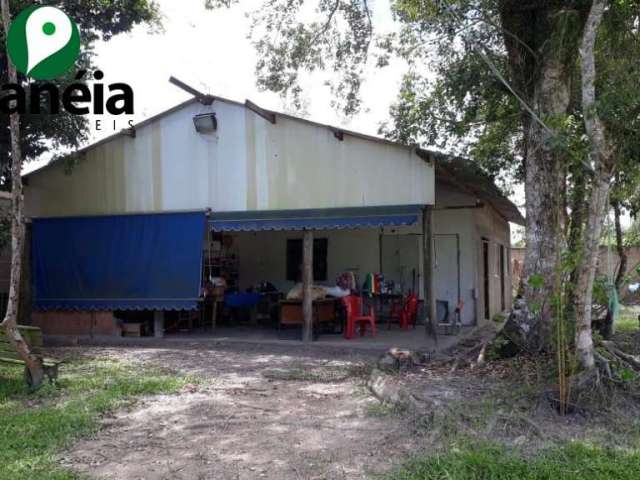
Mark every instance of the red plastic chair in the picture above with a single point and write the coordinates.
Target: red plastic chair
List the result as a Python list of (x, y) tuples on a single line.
[(353, 307), (406, 313), (409, 312)]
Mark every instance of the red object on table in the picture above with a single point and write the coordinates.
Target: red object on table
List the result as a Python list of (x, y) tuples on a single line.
[(353, 306), (407, 313)]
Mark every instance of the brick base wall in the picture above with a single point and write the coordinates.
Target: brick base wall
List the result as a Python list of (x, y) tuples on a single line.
[(76, 323)]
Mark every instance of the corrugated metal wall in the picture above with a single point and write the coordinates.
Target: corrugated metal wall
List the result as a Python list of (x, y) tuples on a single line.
[(248, 164)]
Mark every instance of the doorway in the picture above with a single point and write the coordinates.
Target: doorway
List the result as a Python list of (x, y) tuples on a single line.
[(502, 279), (447, 269), (485, 279)]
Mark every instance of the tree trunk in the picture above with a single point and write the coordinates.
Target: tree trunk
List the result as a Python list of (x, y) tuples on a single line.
[(544, 81), (598, 203), (32, 362), (576, 228), (587, 268), (543, 195)]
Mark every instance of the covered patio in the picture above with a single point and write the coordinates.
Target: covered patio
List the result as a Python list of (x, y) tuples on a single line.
[(262, 275), (275, 275)]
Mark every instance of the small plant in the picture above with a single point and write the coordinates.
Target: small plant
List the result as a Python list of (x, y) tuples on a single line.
[(536, 281), (499, 318), (626, 375), (494, 352)]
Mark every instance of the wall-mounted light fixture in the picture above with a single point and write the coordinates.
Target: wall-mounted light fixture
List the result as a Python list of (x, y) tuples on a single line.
[(205, 122)]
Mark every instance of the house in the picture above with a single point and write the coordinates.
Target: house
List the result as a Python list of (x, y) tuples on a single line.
[(128, 224)]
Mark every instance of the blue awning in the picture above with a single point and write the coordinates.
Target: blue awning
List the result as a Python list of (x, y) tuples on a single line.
[(316, 219), (124, 262)]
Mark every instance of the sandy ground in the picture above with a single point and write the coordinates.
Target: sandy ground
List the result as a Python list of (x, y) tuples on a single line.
[(263, 412)]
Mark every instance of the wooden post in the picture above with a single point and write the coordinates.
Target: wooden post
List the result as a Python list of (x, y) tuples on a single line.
[(307, 282), (431, 323), (214, 312), (158, 323)]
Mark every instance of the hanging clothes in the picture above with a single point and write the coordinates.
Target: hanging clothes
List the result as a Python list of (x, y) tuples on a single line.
[(372, 284), (367, 286)]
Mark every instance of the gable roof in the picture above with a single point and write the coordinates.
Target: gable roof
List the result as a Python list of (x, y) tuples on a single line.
[(463, 172)]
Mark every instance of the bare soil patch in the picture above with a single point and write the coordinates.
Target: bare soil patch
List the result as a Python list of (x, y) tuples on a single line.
[(280, 412), (266, 412)]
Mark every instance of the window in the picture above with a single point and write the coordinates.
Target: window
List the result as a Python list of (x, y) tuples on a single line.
[(294, 259)]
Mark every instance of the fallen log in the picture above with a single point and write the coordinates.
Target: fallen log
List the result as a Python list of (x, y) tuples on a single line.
[(632, 360)]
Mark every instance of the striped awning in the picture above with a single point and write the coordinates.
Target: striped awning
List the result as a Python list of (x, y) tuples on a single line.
[(316, 219)]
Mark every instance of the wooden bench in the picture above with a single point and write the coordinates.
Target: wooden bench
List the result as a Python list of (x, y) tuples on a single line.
[(33, 337)]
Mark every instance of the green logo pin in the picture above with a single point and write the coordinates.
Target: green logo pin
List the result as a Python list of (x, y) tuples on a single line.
[(43, 42)]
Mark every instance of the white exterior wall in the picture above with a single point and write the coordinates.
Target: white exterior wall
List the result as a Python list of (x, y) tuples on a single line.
[(460, 222), (472, 225), (263, 255), (248, 164), (492, 227)]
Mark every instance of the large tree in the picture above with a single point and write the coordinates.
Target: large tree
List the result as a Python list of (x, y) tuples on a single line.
[(468, 99)]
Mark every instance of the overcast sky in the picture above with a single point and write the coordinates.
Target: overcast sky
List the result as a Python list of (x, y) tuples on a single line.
[(209, 50)]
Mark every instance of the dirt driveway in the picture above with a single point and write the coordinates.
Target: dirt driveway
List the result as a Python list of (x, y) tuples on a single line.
[(270, 412)]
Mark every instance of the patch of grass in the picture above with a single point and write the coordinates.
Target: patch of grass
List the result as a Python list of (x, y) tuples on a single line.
[(627, 321), (324, 374), (627, 324), (576, 461), (499, 318), (34, 426), (382, 410)]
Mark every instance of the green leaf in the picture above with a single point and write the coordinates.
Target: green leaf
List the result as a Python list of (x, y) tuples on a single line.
[(535, 281)]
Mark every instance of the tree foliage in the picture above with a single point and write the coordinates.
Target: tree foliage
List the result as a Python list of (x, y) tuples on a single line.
[(97, 20), (295, 36)]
